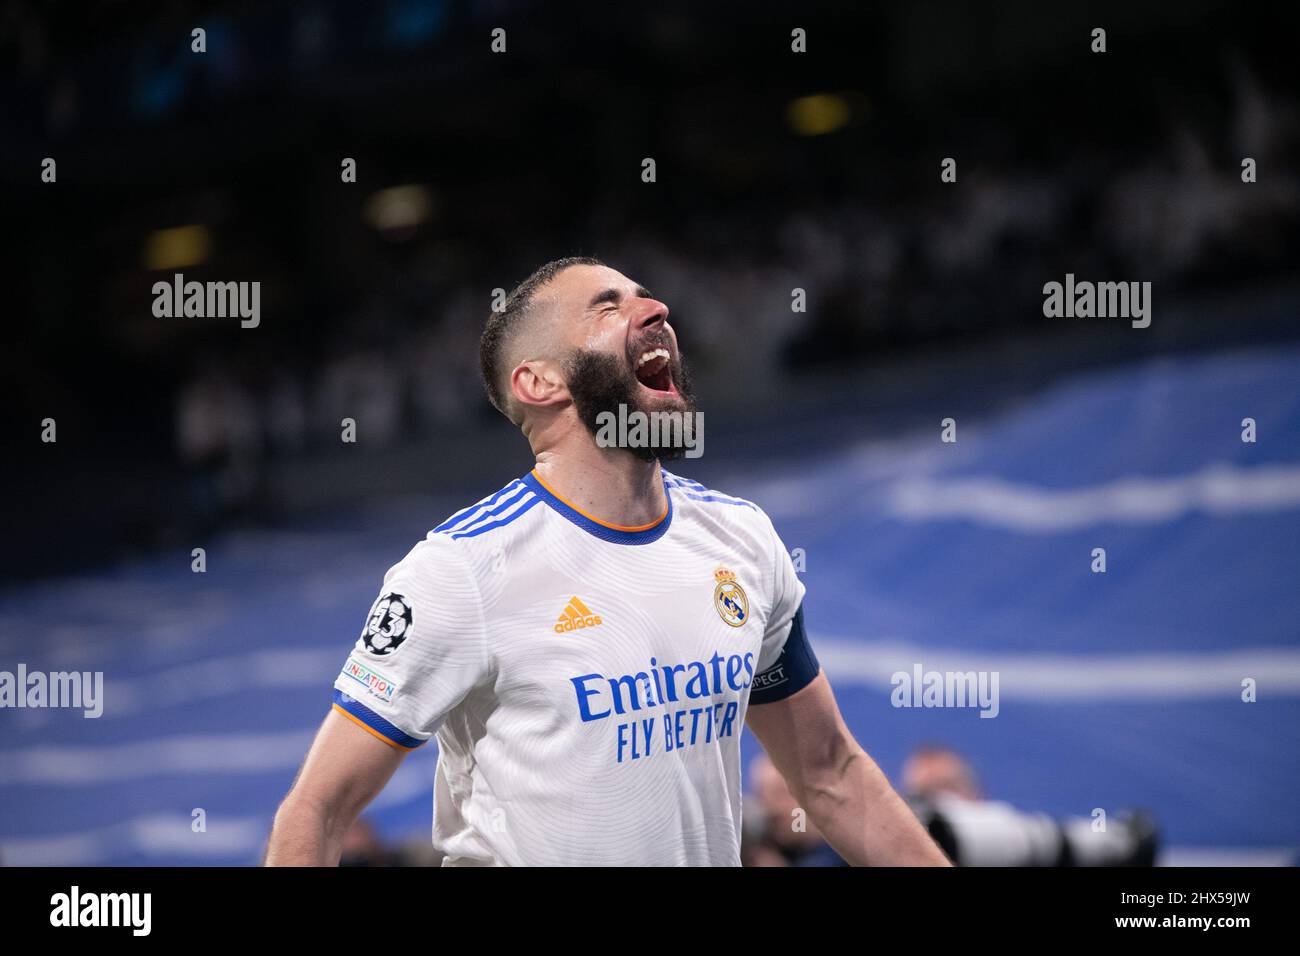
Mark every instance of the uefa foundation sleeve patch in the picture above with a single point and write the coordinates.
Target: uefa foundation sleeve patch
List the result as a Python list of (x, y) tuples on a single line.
[(370, 681)]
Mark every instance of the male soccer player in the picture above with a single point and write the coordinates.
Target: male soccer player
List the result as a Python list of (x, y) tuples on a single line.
[(587, 643)]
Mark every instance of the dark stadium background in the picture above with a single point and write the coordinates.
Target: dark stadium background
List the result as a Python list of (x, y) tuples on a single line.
[(774, 171)]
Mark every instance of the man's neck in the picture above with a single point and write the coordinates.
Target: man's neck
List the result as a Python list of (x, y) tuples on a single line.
[(607, 484)]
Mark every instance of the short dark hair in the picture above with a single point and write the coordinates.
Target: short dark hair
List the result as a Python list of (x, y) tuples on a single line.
[(502, 325)]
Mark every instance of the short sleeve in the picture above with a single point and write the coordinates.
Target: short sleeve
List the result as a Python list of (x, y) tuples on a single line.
[(422, 648), (787, 596)]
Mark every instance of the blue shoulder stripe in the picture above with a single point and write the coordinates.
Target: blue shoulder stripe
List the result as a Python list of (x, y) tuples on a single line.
[(721, 500), (464, 513), (527, 504), (501, 507), (697, 492)]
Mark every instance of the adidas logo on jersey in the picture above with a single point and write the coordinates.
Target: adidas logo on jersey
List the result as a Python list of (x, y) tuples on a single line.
[(575, 617)]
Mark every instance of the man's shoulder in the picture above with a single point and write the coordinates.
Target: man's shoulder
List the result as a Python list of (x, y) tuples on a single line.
[(487, 516), (462, 540), (722, 512), (693, 494)]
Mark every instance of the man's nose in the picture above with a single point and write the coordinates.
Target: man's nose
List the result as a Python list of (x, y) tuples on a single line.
[(653, 313)]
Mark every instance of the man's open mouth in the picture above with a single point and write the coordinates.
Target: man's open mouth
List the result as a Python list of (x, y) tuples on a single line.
[(654, 370)]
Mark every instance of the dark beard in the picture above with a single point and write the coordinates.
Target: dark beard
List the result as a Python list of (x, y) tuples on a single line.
[(600, 382)]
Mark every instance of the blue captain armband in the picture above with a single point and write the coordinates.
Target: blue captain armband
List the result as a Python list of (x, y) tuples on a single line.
[(793, 671)]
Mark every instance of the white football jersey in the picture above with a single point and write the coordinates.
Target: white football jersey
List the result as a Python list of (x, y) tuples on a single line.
[(587, 683)]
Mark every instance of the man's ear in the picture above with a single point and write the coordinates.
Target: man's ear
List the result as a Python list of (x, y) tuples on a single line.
[(538, 383)]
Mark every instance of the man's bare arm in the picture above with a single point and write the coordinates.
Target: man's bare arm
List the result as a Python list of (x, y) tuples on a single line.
[(847, 796), (345, 769)]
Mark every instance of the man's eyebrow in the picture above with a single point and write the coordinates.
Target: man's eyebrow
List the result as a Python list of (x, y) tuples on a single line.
[(615, 296)]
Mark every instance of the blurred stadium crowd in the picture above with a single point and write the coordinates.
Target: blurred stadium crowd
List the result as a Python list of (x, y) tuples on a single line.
[(772, 177)]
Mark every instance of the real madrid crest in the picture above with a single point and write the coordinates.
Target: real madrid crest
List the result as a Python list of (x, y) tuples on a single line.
[(729, 598)]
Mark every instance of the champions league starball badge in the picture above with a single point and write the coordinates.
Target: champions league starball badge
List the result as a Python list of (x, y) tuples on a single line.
[(729, 598), (388, 625)]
